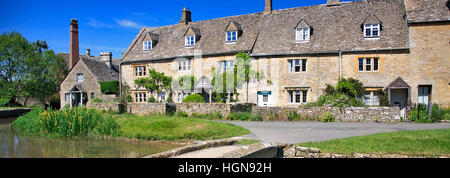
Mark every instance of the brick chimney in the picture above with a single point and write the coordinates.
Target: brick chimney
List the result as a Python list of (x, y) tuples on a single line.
[(106, 57), (333, 2), (88, 52), (185, 16), (74, 48), (268, 8)]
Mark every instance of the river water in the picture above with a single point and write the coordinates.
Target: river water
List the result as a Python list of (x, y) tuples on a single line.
[(13, 145)]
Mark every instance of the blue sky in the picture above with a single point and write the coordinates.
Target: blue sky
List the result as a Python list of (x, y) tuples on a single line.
[(111, 25)]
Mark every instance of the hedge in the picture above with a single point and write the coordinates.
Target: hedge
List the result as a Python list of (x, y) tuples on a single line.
[(110, 87)]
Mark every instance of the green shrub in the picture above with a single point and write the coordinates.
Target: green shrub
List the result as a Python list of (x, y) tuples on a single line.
[(294, 116), (256, 118), (439, 113), (181, 114), (29, 124), (209, 116), (327, 117), (109, 87), (152, 99), (96, 100), (242, 116), (195, 98), (420, 114)]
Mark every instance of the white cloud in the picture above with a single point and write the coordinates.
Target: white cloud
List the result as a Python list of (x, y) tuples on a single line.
[(94, 23), (128, 23)]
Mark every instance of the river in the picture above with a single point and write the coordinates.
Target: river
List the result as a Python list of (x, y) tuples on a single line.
[(14, 145)]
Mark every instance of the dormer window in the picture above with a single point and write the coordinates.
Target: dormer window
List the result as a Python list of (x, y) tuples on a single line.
[(147, 45), (232, 36), (80, 78), (190, 41), (372, 30), (302, 34)]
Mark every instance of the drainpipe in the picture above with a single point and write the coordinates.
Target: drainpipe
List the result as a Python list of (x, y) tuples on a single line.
[(120, 79), (340, 65)]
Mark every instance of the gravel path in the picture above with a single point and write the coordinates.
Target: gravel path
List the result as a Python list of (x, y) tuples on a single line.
[(300, 132)]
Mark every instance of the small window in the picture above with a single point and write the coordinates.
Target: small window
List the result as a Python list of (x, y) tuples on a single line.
[(147, 45), (67, 96), (140, 97), (372, 30), (291, 97), (225, 66), (304, 96), (375, 64), (302, 34), (303, 65), (184, 65), (294, 65), (232, 36), (80, 77), (140, 71), (367, 99), (368, 64), (92, 95), (190, 41), (361, 64)]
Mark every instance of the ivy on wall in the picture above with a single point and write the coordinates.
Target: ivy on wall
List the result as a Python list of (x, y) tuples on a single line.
[(110, 87)]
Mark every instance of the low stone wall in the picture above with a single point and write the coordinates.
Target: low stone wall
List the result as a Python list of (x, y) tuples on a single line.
[(348, 114), (195, 146), (205, 108), (103, 106), (305, 152), (146, 108)]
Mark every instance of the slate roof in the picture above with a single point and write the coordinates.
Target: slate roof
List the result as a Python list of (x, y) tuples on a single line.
[(398, 83), (427, 11), (102, 71), (333, 28)]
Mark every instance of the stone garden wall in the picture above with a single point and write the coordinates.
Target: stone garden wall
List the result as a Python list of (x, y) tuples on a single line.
[(103, 106), (146, 108), (205, 108), (349, 114)]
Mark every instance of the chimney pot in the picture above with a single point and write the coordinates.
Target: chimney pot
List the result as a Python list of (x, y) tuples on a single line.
[(185, 16), (88, 52)]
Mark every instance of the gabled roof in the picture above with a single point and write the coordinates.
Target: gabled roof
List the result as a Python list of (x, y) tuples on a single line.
[(101, 70), (233, 26), (427, 11), (398, 83), (152, 36), (371, 19), (335, 28), (302, 24)]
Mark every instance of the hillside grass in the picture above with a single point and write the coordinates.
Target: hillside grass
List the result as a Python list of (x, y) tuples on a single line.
[(419, 143)]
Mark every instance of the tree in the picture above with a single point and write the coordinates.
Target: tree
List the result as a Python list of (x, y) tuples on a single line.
[(156, 82), (28, 69)]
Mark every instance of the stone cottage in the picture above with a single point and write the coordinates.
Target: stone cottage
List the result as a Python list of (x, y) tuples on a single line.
[(398, 45), (85, 72)]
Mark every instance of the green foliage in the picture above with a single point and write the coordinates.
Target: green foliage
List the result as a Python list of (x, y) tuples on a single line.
[(195, 98), (156, 82), (327, 117), (4, 101), (181, 114), (109, 87), (256, 118), (384, 100), (329, 90), (29, 69), (439, 113), (420, 114), (152, 99), (67, 122), (343, 95), (350, 87), (294, 116), (208, 116), (242, 116), (96, 100), (186, 82)]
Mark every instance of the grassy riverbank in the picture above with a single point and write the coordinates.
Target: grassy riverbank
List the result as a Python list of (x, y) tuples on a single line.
[(82, 122), (418, 143)]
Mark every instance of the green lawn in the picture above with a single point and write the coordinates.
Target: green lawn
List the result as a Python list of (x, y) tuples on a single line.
[(419, 143), (175, 128)]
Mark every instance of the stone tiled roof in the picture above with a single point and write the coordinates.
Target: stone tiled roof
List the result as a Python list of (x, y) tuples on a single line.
[(427, 10), (102, 71), (398, 83), (334, 28)]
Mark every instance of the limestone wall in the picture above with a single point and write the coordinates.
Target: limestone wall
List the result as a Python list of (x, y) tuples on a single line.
[(146, 108), (349, 114), (205, 108), (103, 106)]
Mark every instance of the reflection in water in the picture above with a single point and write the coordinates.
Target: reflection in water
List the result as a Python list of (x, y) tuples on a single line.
[(12, 145)]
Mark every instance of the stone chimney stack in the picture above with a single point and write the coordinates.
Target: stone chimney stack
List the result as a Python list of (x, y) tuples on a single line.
[(185, 16), (106, 57), (88, 52), (333, 2), (268, 8), (74, 48)]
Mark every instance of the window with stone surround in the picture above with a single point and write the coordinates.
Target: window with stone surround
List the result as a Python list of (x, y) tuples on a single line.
[(189, 41), (368, 64), (372, 30), (297, 96), (147, 45), (302, 34), (140, 71), (80, 77), (297, 65), (225, 66), (140, 97), (232, 36), (184, 65)]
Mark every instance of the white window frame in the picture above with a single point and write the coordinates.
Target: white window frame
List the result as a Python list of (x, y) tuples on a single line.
[(184, 65), (140, 97), (225, 66), (67, 96), (372, 28), (292, 63), (229, 35), (302, 34), (80, 78), (189, 40), (140, 71), (147, 45), (372, 64)]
